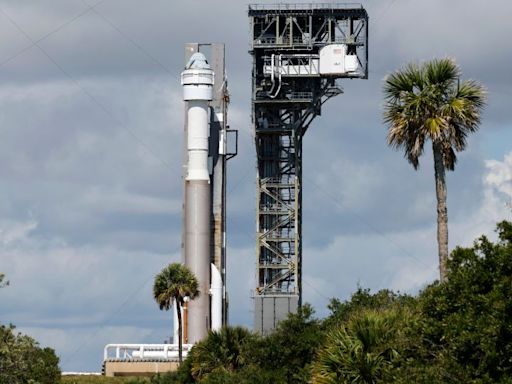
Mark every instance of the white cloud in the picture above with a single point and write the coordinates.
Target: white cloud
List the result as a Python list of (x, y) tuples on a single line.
[(500, 175), (11, 232)]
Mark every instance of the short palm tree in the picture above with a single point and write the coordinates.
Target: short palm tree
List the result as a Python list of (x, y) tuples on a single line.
[(360, 352), (428, 102), (223, 350), (173, 284)]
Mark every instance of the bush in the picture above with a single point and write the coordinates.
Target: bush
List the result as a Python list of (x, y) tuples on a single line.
[(23, 361)]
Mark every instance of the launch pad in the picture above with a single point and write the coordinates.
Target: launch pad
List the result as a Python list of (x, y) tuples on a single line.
[(300, 51)]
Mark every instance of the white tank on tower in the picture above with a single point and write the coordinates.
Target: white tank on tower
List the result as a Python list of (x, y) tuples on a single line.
[(334, 60)]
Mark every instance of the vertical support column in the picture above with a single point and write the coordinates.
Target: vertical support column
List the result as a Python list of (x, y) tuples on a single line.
[(218, 151), (298, 213)]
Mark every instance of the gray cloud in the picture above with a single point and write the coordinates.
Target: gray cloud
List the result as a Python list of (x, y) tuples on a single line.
[(90, 163)]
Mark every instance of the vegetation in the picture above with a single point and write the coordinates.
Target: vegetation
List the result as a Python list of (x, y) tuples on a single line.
[(290, 349), (428, 102), (173, 284), (458, 331), (465, 324), (101, 380), (362, 351), (23, 361), (2, 282), (223, 351)]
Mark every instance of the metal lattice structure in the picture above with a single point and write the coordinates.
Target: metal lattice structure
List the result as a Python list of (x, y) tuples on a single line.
[(299, 51)]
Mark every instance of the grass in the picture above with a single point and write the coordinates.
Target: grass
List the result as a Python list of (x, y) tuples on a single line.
[(97, 380)]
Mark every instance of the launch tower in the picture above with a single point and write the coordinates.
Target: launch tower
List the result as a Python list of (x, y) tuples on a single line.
[(300, 52)]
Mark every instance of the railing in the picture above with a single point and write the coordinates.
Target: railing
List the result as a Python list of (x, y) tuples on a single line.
[(303, 6), (272, 40), (299, 95), (143, 351)]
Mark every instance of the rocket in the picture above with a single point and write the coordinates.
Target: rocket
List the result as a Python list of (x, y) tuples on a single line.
[(204, 312)]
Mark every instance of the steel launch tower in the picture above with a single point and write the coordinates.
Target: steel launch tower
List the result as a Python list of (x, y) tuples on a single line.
[(300, 51)]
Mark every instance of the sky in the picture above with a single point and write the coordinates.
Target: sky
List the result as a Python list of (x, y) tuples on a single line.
[(91, 122)]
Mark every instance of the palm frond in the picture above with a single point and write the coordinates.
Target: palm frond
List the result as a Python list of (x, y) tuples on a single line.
[(174, 282), (443, 73), (428, 102)]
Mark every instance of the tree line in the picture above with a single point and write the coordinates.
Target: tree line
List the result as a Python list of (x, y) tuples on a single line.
[(454, 331)]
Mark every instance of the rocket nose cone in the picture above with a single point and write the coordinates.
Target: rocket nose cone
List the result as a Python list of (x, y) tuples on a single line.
[(197, 61)]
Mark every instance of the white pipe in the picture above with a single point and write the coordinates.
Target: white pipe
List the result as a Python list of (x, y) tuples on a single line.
[(143, 350), (272, 69), (156, 354), (279, 68), (216, 301)]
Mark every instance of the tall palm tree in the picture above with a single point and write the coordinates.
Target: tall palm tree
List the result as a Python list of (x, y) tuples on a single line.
[(428, 102), (173, 284)]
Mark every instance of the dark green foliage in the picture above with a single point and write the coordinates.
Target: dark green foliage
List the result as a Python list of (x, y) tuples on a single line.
[(362, 300), (93, 379), (364, 350), (467, 321), (23, 361), (247, 375), (226, 350), (291, 347), (429, 102), (236, 355), (174, 282), (458, 331)]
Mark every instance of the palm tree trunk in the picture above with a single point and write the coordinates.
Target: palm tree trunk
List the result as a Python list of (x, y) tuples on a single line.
[(180, 340), (442, 212)]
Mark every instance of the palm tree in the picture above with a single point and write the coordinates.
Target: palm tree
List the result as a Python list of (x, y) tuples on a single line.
[(224, 350), (359, 352), (428, 102), (173, 284)]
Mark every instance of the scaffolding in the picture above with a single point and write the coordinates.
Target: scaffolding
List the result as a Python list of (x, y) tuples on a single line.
[(300, 51)]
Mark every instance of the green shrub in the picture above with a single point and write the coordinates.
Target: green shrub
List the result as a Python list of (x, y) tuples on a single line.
[(23, 361)]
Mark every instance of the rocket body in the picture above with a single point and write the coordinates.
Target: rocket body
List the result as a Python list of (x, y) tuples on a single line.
[(197, 256), (197, 80)]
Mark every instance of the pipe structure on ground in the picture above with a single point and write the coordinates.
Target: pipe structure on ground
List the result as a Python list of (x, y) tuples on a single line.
[(197, 80)]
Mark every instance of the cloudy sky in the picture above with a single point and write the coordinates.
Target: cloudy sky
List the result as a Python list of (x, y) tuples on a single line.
[(90, 162)]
